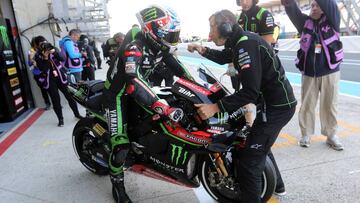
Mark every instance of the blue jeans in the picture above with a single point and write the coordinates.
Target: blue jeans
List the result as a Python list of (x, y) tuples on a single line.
[(75, 77)]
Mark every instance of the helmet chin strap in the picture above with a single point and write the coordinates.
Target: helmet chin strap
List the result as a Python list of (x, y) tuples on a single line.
[(154, 45)]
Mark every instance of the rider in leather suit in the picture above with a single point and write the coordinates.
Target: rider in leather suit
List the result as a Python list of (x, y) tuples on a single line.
[(128, 74)]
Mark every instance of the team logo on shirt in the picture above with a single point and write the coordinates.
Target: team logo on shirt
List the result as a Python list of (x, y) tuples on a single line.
[(269, 21), (244, 60)]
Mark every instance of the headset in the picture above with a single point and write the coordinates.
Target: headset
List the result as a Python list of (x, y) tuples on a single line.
[(225, 28)]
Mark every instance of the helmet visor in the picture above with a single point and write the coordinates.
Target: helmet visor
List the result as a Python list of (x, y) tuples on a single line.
[(172, 37)]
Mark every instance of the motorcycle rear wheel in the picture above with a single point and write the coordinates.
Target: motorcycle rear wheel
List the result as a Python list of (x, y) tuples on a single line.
[(233, 194), (83, 138)]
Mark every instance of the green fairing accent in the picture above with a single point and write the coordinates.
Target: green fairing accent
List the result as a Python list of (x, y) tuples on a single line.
[(107, 84), (282, 84), (259, 14), (118, 140), (79, 94), (173, 136), (4, 36), (114, 170), (99, 116)]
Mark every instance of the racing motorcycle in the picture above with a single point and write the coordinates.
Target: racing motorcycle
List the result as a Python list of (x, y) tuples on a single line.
[(184, 153)]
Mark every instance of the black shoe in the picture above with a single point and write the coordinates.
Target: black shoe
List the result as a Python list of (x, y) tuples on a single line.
[(280, 191), (61, 123), (118, 190), (78, 116), (47, 107)]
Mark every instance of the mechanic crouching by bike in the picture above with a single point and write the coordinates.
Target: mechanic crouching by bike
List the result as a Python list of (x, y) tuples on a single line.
[(263, 78), (127, 75)]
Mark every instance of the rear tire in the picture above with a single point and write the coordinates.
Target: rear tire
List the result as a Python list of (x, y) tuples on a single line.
[(234, 195), (84, 141)]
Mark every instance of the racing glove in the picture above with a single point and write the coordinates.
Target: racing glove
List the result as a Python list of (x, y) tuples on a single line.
[(162, 107), (250, 113), (231, 71)]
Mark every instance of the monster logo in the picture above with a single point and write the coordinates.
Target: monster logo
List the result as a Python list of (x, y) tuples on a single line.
[(4, 36), (176, 153), (150, 14)]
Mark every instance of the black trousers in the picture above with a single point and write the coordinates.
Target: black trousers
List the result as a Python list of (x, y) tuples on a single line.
[(279, 183), (98, 61), (88, 73), (54, 86), (235, 83), (251, 159), (44, 93)]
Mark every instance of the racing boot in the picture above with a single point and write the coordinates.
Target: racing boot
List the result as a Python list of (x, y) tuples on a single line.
[(118, 189)]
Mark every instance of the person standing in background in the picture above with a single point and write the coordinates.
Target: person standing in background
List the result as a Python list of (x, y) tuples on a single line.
[(89, 60), (72, 54), (54, 78), (35, 70), (92, 43), (112, 45), (318, 59)]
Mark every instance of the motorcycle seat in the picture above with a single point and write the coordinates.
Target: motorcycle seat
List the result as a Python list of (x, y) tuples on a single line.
[(94, 95), (94, 102)]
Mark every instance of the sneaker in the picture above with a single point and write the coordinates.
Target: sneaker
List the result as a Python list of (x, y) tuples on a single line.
[(304, 141), (334, 143), (61, 123), (280, 191)]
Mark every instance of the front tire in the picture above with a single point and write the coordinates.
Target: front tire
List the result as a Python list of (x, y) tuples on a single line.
[(85, 143), (229, 193)]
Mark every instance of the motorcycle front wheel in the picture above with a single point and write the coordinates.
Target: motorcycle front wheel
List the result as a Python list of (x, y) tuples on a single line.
[(89, 148), (228, 190)]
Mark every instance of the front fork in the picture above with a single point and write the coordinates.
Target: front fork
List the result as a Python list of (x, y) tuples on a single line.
[(218, 163)]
